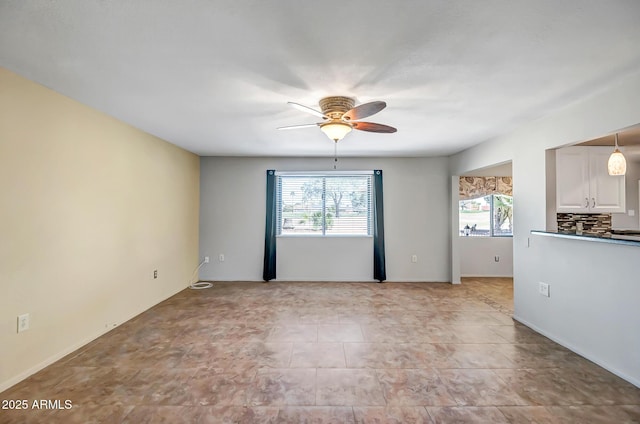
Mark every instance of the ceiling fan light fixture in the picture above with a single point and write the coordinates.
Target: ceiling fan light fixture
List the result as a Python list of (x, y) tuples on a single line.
[(341, 116), (617, 164), (336, 130)]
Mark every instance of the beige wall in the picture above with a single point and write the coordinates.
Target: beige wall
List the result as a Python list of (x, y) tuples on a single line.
[(89, 207)]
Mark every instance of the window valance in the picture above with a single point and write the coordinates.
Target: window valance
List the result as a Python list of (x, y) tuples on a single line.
[(472, 187)]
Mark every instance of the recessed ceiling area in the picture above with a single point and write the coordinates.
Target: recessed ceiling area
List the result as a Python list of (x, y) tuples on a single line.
[(214, 77), (628, 140), (626, 137)]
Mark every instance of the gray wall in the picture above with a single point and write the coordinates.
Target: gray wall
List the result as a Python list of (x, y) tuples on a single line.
[(232, 220), (477, 256), (594, 286)]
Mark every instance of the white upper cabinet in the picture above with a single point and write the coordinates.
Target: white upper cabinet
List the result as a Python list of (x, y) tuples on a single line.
[(583, 184), (572, 180)]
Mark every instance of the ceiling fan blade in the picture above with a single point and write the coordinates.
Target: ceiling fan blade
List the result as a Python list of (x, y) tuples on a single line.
[(364, 110), (293, 127), (373, 127), (308, 110)]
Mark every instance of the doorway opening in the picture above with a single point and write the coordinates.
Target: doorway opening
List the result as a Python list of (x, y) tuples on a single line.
[(482, 220)]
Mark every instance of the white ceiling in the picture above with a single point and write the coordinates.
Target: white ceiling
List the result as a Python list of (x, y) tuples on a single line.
[(214, 76)]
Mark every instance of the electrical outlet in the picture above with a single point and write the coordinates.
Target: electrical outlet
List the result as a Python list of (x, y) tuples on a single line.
[(543, 288), (23, 322), (155, 273), (414, 259), (221, 257), (632, 212), (206, 259)]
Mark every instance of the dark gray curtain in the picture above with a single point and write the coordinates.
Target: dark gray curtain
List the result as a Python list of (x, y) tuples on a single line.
[(379, 268), (269, 268)]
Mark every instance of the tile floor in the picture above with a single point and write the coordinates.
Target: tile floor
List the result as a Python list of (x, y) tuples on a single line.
[(328, 352)]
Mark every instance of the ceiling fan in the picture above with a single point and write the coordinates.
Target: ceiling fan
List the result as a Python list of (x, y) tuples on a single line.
[(340, 116)]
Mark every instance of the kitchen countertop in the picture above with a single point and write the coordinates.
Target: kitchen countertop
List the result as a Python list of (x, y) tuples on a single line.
[(625, 234), (586, 238)]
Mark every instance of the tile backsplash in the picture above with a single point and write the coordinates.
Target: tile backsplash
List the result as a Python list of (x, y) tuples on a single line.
[(598, 225)]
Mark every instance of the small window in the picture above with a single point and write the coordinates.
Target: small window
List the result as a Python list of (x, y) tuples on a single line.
[(324, 204), (487, 216)]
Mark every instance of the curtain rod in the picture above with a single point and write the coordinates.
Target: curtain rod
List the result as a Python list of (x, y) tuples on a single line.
[(321, 173)]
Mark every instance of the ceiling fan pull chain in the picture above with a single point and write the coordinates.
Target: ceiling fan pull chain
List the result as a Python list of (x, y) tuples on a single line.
[(335, 154)]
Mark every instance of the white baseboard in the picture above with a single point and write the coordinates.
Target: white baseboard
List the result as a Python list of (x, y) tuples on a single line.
[(412, 280), (574, 349), (286, 280), (485, 276), (50, 360)]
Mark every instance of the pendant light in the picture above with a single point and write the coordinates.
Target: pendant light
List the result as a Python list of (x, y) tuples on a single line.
[(617, 164)]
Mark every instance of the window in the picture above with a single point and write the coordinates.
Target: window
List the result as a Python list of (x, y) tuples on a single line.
[(487, 216), (324, 204)]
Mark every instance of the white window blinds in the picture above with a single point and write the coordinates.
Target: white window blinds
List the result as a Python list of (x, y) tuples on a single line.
[(324, 204)]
